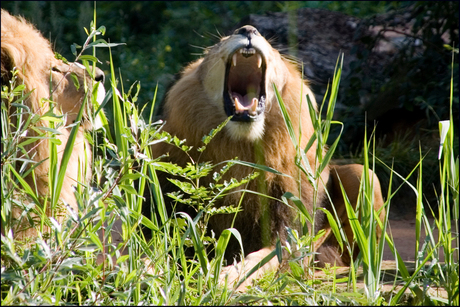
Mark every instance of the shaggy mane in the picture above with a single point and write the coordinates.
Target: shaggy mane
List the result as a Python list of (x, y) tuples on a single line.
[(25, 49)]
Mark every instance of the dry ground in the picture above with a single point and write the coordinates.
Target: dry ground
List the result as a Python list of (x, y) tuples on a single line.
[(403, 232)]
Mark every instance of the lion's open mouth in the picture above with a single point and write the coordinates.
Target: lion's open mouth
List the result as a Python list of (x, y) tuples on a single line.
[(244, 89)]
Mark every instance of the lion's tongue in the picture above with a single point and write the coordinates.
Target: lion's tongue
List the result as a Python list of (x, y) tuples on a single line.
[(247, 102)]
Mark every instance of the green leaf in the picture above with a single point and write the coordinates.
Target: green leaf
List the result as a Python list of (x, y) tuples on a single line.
[(256, 166), (221, 247), (22, 98), (66, 156), (87, 57), (356, 228), (334, 227), (148, 223), (75, 80), (60, 57), (74, 48), (101, 30), (18, 89), (443, 129), (296, 270), (102, 43), (286, 117), (131, 176), (129, 189), (207, 138), (95, 239), (299, 204), (200, 250), (24, 184)]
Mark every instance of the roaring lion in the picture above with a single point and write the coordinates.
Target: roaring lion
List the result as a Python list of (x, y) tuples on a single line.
[(235, 78), (47, 79)]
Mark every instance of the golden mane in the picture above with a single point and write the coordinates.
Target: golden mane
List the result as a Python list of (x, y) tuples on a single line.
[(25, 49)]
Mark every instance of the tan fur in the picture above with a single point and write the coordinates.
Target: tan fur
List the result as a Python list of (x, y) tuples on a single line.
[(195, 105), (24, 48), (350, 177)]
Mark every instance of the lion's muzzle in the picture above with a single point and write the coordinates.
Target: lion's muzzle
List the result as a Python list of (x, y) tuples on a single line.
[(244, 89)]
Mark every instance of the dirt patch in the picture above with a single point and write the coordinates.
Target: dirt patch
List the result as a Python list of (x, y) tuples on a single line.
[(403, 232)]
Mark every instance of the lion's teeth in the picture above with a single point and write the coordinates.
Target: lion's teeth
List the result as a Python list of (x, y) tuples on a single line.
[(254, 104), (259, 61), (234, 59), (239, 108), (252, 108)]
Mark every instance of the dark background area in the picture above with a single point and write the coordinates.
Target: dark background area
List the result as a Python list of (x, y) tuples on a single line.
[(405, 90), (161, 36)]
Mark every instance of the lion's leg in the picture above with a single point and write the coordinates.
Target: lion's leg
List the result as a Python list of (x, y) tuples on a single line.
[(350, 177), (235, 273)]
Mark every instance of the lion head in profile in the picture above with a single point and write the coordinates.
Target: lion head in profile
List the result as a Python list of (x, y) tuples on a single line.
[(51, 83)]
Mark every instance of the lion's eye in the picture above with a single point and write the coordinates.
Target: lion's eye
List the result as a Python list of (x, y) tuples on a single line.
[(55, 69)]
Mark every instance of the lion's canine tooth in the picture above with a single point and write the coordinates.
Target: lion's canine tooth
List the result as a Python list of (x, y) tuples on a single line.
[(254, 104), (234, 59), (259, 61), (238, 106)]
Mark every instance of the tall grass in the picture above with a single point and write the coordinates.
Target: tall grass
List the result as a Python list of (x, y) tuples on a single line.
[(362, 218), (83, 262)]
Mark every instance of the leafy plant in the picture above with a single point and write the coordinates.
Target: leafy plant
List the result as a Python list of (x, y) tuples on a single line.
[(91, 259)]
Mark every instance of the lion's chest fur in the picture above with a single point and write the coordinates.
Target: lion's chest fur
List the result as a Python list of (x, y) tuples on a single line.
[(279, 154)]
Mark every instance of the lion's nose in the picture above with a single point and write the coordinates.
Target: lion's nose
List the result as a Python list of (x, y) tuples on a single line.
[(99, 75), (247, 31)]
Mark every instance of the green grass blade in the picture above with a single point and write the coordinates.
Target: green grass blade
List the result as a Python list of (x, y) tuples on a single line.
[(118, 117), (220, 249), (266, 259), (256, 166), (200, 249), (24, 184), (355, 225), (334, 227), (299, 204), (66, 155), (286, 117)]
